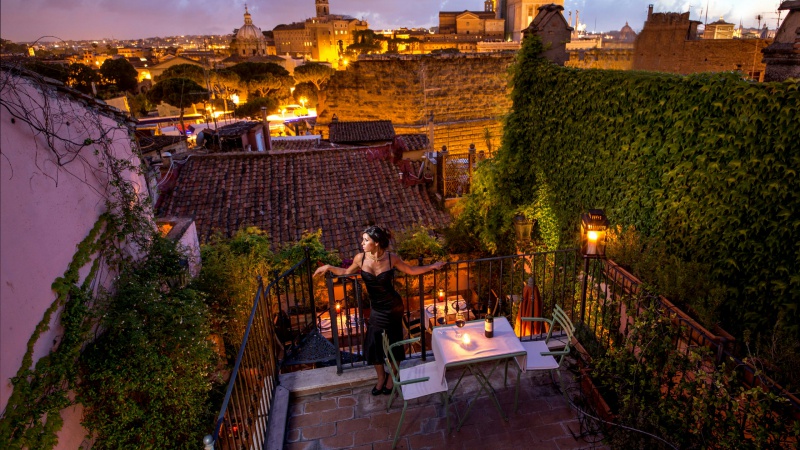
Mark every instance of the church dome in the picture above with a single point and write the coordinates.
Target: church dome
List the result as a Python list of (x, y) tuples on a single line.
[(249, 32), (626, 34)]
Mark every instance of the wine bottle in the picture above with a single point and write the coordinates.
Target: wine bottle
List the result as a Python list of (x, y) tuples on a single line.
[(488, 325)]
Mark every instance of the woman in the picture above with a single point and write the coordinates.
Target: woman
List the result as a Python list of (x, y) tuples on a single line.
[(377, 270)]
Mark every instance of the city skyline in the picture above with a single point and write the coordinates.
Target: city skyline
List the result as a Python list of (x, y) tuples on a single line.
[(29, 20)]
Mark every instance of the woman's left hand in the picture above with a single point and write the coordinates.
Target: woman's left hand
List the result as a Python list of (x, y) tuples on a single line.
[(439, 264)]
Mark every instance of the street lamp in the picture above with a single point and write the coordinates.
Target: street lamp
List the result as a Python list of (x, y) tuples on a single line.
[(593, 245), (303, 101), (523, 227), (593, 233)]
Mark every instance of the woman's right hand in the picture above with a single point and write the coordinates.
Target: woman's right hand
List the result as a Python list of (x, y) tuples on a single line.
[(322, 269)]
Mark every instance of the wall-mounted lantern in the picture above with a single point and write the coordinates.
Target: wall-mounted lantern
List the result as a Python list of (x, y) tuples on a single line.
[(593, 233), (523, 227)]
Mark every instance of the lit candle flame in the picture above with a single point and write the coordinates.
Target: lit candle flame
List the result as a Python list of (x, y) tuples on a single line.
[(465, 339)]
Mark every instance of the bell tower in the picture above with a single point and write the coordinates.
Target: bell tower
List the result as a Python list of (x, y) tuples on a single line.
[(323, 9)]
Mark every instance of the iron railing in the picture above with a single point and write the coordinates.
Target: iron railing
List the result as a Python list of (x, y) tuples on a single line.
[(613, 298), (599, 296), (244, 416), (455, 171), (479, 284)]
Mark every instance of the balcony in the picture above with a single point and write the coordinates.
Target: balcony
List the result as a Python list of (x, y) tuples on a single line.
[(271, 401)]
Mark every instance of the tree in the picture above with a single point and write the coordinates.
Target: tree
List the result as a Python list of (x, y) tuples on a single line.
[(80, 77), (225, 83), (264, 85), (253, 107), (191, 71), (7, 46), (307, 91), (139, 104), (264, 78), (178, 92), (120, 73), (54, 71), (315, 73), (367, 41)]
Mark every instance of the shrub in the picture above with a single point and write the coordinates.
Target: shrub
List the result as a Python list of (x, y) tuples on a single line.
[(145, 379)]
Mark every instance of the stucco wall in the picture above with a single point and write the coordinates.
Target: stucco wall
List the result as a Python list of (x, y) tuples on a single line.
[(46, 210), (466, 93)]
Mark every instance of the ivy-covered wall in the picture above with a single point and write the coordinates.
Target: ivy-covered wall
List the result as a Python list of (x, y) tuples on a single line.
[(708, 163)]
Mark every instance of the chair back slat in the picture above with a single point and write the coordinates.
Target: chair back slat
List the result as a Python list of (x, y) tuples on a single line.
[(560, 317)]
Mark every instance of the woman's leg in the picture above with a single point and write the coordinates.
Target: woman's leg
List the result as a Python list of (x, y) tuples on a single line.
[(389, 381), (381, 373)]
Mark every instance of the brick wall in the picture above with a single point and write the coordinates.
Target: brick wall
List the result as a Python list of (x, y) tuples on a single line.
[(465, 93), (601, 58), (668, 43)]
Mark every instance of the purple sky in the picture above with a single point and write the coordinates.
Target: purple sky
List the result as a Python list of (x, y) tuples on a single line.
[(27, 20)]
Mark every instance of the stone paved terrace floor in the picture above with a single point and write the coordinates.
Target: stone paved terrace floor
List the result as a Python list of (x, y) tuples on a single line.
[(350, 417)]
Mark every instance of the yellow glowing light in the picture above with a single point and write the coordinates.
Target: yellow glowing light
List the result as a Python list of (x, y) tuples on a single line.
[(592, 235), (235, 99), (303, 101), (465, 339)]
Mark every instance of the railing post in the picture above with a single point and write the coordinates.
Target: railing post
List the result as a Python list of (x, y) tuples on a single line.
[(310, 277), (334, 321), (441, 172), (208, 442), (420, 281), (585, 286), (470, 165)]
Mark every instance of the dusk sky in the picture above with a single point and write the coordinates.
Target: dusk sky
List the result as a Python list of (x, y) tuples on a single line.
[(28, 20)]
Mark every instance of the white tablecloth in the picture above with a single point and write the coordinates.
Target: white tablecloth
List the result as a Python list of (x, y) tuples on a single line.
[(449, 350)]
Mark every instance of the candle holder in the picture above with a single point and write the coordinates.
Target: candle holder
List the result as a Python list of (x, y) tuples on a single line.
[(465, 341)]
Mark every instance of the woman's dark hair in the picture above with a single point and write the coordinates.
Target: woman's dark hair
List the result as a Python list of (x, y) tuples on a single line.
[(380, 235)]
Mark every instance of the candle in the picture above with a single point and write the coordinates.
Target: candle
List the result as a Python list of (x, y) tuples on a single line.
[(591, 249), (465, 339)]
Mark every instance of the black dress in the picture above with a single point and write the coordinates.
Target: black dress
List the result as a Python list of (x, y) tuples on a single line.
[(387, 315)]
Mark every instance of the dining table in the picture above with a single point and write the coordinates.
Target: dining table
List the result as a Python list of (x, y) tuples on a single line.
[(452, 351)]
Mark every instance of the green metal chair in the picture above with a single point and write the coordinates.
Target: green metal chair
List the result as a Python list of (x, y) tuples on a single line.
[(413, 382), (540, 357)]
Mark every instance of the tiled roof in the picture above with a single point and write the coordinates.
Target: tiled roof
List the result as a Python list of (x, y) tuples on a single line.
[(366, 131), (340, 191), (236, 129), (293, 143), (154, 143), (412, 142), (291, 26)]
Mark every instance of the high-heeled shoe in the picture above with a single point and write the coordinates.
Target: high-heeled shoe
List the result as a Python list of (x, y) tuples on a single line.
[(379, 391)]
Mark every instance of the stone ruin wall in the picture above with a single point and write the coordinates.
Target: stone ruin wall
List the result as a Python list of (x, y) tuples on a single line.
[(665, 45), (467, 93)]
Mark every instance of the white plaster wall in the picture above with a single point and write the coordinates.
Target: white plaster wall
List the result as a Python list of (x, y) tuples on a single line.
[(45, 211)]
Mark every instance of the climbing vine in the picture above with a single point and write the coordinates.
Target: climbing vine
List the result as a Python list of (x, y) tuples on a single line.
[(73, 132), (706, 164)]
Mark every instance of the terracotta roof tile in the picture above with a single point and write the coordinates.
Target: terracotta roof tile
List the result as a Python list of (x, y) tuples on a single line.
[(365, 131), (340, 191), (412, 142), (154, 143)]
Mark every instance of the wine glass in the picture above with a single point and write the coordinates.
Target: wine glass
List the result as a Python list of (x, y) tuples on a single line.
[(460, 322)]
